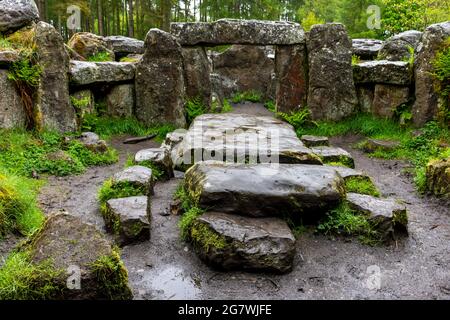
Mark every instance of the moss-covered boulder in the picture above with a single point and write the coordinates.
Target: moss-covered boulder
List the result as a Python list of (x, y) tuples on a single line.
[(66, 259), (137, 176), (333, 155), (128, 219), (89, 45), (231, 242), (438, 177), (387, 216), (265, 190)]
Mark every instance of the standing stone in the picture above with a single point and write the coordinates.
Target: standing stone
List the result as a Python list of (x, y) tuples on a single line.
[(388, 98), (365, 95), (160, 82), (52, 102), (12, 110), (196, 71), (246, 65), (120, 101), (332, 94), (15, 14), (398, 47), (427, 100), (291, 69)]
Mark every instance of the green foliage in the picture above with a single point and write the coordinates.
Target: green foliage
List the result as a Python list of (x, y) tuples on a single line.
[(25, 72), (203, 236), (19, 211), (361, 185), (355, 59), (187, 221), (111, 190), (345, 221), (24, 153), (298, 118), (128, 59), (441, 64), (20, 279), (194, 108), (5, 44), (271, 106), (100, 57), (112, 276), (106, 127), (251, 96), (310, 20), (227, 107)]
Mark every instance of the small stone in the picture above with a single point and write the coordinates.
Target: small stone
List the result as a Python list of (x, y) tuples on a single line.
[(334, 155), (388, 216), (138, 176), (438, 177), (372, 145), (128, 219), (315, 141), (93, 142), (8, 57), (159, 157)]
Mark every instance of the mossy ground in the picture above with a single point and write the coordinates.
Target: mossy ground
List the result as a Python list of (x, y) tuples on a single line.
[(111, 190), (205, 238), (361, 185)]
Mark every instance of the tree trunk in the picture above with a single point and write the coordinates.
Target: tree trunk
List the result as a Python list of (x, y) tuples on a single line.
[(101, 29), (131, 19)]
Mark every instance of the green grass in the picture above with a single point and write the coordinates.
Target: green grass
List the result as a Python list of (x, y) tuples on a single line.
[(193, 109), (441, 65), (271, 106), (24, 153), (107, 127), (20, 279), (362, 185), (298, 119), (355, 59), (111, 190), (100, 57), (19, 211), (347, 222), (5, 44), (187, 221), (251, 96), (226, 107), (204, 237)]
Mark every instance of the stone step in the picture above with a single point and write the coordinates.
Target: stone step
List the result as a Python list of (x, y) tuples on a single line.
[(158, 157), (232, 242), (138, 176), (315, 141), (388, 216), (334, 155), (242, 138), (128, 219), (88, 73), (265, 190)]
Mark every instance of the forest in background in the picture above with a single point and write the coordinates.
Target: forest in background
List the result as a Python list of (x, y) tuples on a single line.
[(135, 17)]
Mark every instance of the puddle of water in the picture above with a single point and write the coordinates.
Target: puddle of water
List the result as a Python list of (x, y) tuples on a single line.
[(172, 283)]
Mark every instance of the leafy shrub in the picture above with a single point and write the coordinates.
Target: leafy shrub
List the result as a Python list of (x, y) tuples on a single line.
[(194, 108), (355, 59), (296, 118), (111, 190), (251, 96), (100, 57)]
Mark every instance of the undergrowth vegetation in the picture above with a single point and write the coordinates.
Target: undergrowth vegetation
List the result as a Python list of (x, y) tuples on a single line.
[(100, 57), (251, 96), (361, 185), (441, 65), (111, 190)]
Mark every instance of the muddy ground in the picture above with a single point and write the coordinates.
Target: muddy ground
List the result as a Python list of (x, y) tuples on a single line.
[(325, 267)]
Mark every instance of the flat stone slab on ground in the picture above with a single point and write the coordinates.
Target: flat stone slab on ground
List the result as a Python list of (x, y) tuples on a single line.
[(366, 49), (347, 173), (128, 219), (159, 157), (231, 31), (265, 190), (372, 145), (238, 137), (315, 141), (138, 176), (387, 215), (334, 155), (84, 73), (259, 244), (383, 72)]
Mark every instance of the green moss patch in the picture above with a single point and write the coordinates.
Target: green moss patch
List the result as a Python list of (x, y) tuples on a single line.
[(111, 190), (205, 238), (361, 185), (347, 222)]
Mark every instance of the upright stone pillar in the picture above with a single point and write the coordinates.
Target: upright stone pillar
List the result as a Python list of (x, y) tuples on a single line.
[(160, 86), (291, 69), (332, 93), (197, 70)]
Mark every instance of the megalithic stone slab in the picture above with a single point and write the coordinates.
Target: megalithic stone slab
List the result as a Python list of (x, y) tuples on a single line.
[(15, 14), (232, 31), (160, 87), (332, 93), (265, 190), (263, 244)]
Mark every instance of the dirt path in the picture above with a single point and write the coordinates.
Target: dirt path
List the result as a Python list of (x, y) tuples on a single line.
[(325, 267)]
